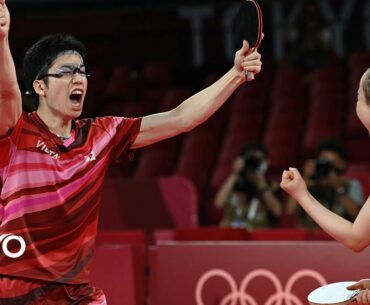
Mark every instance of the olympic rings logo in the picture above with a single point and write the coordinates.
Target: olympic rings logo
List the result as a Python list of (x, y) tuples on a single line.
[(6, 238), (244, 298)]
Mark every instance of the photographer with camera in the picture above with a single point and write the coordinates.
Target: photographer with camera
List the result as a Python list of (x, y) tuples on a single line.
[(325, 180), (249, 200)]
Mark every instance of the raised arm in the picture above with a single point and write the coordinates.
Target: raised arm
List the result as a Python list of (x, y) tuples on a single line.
[(200, 106), (10, 95), (355, 236), (224, 192)]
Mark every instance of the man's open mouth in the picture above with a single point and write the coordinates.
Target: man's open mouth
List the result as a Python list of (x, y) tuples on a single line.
[(76, 96)]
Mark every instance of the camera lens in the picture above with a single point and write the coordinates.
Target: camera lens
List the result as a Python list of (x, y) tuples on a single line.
[(252, 163), (323, 168)]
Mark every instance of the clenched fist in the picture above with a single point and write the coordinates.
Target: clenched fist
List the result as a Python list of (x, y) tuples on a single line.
[(293, 183)]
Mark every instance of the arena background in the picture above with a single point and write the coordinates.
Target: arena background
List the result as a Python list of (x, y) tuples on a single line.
[(147, 56)]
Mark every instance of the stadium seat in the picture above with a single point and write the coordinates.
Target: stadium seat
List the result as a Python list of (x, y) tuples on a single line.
[(172, 98), (158, 160), (148, 204), (117, 87), (358, 149)]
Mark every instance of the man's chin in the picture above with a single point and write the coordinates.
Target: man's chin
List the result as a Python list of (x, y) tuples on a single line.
[(74, 114)]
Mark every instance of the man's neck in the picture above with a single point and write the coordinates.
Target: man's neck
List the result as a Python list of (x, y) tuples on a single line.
[(57, 125)]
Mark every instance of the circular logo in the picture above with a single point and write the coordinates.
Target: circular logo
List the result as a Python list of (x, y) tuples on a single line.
[(6, 238), (239, 295)]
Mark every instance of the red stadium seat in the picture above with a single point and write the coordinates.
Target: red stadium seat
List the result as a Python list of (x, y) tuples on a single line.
[(172, 98), (94, 96), (284, 121), (314, 136), (359, 59), (158, 160), (198, 156), (249, 123), (357, 149), (219, 176), (118, 84), (196, 174), (355, 167), (148, 204), (354, 128), (248, 101), (157, 74), (195, 153), (163, 235), (155, 164), (233, 145), (282, 156), (287, 83), (156, 78), (328, 73), (289, 104)]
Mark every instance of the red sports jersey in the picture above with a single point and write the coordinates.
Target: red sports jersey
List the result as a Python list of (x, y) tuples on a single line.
[(50, 194)]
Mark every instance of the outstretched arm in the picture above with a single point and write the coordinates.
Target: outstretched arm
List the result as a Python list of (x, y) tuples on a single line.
[(200, 106), (10, 95), (353, 235)]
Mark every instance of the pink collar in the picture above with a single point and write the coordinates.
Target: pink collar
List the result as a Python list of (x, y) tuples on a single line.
[(71, 139)]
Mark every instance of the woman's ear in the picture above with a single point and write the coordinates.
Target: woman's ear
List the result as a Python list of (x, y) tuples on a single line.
[(39, 87)]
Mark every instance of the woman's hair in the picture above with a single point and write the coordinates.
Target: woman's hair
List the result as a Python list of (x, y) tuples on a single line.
[(366, 86)]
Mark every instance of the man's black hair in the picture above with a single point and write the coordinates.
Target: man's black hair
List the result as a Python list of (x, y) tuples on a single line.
[(255, 146), (334, 145), (40, 56)]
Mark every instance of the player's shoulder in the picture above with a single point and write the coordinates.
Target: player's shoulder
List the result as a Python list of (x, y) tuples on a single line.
[(107, 122), (103, 121)]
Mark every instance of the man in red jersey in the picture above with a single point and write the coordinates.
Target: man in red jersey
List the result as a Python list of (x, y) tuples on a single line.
[(52, 165)]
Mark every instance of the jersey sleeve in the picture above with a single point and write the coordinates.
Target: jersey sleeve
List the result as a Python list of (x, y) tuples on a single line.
[(123, 132), (9, 141)]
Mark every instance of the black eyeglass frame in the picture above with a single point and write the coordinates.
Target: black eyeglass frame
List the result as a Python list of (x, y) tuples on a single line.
[(69, 73), (60, 75)]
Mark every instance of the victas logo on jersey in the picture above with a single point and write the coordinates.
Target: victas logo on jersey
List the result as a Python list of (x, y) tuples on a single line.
[(42, 146)]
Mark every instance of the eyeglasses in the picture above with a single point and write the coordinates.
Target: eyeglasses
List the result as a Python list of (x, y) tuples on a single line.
[(67, 72)]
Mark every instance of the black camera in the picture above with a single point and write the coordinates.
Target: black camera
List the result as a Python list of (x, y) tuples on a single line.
[(252, 163), (323, 168)]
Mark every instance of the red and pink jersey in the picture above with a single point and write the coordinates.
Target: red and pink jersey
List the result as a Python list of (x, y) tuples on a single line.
[(50, 193)]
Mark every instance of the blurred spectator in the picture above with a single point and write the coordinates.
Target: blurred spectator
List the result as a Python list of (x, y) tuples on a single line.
[(325, 180), (248, 198)]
